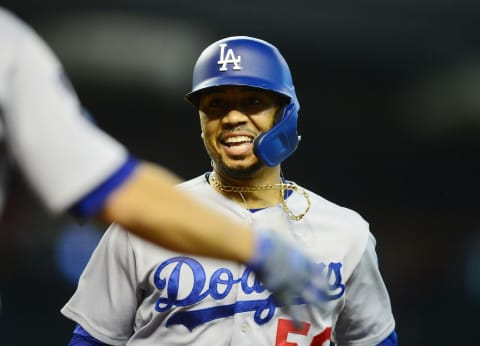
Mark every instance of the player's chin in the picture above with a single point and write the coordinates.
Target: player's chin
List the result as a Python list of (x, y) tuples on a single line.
[(241, 169), (240, 161)]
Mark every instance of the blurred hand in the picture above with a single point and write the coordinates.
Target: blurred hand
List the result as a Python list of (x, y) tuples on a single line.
[(288, 273)]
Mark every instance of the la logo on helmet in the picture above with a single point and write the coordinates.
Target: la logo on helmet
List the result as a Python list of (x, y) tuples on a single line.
[(228, 58)]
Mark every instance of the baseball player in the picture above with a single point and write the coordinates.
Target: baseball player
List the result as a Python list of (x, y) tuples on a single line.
[(134, 293), (74, 166)]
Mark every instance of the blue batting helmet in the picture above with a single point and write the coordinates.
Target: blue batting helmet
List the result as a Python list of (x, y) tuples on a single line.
[(248, 61)]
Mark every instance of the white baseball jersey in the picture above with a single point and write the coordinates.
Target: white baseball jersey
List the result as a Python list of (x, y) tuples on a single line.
[(135, 293), (62, 155)]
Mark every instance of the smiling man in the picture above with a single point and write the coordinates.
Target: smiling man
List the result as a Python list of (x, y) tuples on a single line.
[(134, 293), (228, 139)]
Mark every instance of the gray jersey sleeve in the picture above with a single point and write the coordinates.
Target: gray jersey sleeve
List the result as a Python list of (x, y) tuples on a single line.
[(60, 152), (366, 318), (105, 301)]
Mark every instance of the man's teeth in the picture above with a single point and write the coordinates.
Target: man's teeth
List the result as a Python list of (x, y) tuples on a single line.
[(238, 139)]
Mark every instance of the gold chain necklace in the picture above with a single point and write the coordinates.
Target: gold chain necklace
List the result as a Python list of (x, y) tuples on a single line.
[(282, 187)]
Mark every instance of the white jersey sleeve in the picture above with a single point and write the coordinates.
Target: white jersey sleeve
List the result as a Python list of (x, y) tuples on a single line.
[(366, 318), (61, 153), (107, 305)]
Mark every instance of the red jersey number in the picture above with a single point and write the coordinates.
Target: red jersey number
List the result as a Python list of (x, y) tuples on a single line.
[(286, 327)]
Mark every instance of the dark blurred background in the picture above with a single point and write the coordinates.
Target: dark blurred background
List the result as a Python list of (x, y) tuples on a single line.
[(390, 125)]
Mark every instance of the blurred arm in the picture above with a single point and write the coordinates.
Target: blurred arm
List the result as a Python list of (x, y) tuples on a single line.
[(65, 157), (148, 205)]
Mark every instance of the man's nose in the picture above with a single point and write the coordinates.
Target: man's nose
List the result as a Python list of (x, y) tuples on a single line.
[(234, 116)]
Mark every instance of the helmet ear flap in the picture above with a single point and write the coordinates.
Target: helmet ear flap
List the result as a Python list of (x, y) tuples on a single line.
[(278, 143)]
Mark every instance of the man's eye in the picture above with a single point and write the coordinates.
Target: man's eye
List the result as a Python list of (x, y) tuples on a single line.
[(253, 101), (252, 105), (214, 107), (215, 103)]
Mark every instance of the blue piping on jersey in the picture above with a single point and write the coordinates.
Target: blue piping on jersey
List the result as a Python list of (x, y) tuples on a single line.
[(93, 202)]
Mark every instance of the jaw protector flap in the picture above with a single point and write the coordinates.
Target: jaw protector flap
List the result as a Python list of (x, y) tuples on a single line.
[(278, 143)]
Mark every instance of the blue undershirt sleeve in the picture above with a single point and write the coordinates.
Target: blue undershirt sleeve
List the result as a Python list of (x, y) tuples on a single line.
[(392, 339), (93, 202), (82, 338)]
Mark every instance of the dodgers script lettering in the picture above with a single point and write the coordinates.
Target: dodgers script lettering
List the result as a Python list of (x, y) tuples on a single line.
[(167, 279)]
